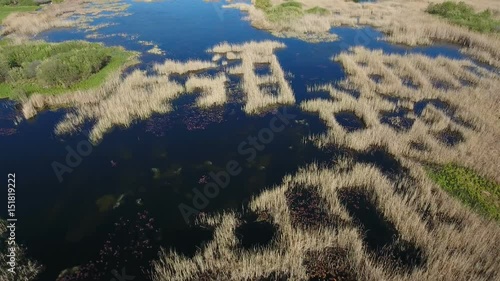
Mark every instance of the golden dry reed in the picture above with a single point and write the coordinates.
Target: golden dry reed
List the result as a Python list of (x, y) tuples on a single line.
[(74, 13), (450, 252), (403, 22), (311, 28), (471, 91), (250, 54), (122, 101)]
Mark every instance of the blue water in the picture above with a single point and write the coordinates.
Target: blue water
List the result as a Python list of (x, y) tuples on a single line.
[(161, 160)]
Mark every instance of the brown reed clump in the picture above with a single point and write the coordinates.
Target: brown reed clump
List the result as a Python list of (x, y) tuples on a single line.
[(250, 54), (468, 91), (403, 22), (447, 252), (75, 13), (214, 89), (122, 101)]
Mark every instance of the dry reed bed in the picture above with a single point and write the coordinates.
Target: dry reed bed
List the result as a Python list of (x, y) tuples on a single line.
[(121, 101), (473, 94), (311, 28), (74, 13), (403, 22), (250, 54), (214, 89), (451, 253)]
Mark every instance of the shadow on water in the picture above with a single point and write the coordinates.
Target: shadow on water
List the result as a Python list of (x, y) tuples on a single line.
[(255, 231), (350, 121), (379, 235)]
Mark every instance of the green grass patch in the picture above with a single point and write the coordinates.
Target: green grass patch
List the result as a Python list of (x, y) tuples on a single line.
[(318, 11), (464, 15), (263, 4), (7, 10), (289, 10), (56, 68), (473, 190), (283, 12), (286, 11)]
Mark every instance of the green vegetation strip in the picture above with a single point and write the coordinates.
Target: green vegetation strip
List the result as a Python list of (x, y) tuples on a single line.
[(6, 10), (11, 6), (57, 67), (289, 10), (464, 15), (473, 190)]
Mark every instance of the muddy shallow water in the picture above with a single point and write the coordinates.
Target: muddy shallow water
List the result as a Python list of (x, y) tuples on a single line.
[(155, 164)]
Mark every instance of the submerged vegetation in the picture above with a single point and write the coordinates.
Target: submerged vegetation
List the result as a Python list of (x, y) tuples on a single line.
[(475, 191), (462, 14), (39, 67)]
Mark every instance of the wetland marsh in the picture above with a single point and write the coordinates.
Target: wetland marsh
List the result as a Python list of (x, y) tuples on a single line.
[(251, 140)]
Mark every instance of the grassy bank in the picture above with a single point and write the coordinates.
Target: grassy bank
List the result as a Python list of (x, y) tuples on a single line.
[(11, 6), (473, 190), (6, 10), (464, 15), (55, 68)]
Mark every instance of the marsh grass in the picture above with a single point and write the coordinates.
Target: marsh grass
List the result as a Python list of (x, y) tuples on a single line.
[(318, 11), (122, 101), (471, 117), (450, 253), (75, 13), (288, 19), (403, 22), (473, 190), (213, 89), (253, 54), (464, 15)]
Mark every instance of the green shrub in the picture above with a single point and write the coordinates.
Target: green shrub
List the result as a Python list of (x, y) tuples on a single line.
[(30, 69), (56, 67), (15, 74), (69, 68), (464, 15), (31, 52)]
